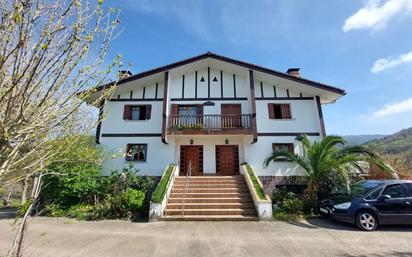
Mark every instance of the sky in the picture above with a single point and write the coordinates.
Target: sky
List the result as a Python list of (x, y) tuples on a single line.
[(364, 47)]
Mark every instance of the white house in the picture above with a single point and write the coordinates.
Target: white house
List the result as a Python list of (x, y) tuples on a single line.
[(215, 113)]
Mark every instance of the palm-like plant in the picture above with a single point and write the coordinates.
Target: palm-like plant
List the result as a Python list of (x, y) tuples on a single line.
[(325, 163)]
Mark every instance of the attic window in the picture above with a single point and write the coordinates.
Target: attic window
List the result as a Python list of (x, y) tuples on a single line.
[(214, 79), (202, 79)]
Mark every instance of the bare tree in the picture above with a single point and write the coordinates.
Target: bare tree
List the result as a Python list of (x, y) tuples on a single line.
[(49, 51)]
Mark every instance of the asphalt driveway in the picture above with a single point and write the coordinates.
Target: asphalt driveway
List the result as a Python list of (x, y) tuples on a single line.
[(67, 237)]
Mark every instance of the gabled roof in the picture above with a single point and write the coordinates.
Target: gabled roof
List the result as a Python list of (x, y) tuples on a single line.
[(228, 60)]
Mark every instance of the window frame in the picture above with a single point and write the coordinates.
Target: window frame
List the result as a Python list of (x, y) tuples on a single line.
[(380, 189), (290, 146), (272, 111), (145, 107), (408, 190), (402, 188), (129, 148)]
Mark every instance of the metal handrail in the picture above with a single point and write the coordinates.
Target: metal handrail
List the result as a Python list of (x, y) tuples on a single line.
[(186, 186)]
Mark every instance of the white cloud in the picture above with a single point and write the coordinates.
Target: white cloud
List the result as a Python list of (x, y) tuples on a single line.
[(383, 64), (375, 15), (395, 108)]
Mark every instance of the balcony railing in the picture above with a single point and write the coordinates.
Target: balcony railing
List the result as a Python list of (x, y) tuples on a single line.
[(209, 124)]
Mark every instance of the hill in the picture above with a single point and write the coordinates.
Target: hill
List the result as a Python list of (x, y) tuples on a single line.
[(398, 150), (361, 139), (400, 142)]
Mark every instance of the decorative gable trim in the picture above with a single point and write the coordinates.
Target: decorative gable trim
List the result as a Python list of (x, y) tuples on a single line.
[(228, 60)]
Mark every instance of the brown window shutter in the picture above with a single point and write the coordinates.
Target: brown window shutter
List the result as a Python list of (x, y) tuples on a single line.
[(273, 146), (148, 112), (127, 112), (199, 109), (291, 148), (199, 113), (285, 109), (271, 108), (174, 109), (128, 148)]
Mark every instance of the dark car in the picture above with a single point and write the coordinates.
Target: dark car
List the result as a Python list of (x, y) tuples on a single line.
[(371, 203)]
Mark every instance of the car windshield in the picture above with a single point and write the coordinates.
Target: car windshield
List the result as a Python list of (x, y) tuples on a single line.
[(360, 188)]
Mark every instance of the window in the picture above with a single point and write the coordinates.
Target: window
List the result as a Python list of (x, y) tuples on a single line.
[(277, 147), (188, 110), (409, 188), (137, 112), (373, 195), (279, 111), (136, 152), (395, 191)]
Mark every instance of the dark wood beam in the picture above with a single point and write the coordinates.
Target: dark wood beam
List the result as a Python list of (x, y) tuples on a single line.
[(253, 105), (165, 103), (99, 124), (322, 124)]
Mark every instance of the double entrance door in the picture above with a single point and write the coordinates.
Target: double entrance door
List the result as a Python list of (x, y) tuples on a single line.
[(227, 159)]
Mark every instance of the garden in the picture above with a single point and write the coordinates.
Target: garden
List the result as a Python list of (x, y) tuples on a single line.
[(330, 167), (76, 187)]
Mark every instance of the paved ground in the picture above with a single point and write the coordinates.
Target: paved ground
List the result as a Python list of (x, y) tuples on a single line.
[(66, 237)]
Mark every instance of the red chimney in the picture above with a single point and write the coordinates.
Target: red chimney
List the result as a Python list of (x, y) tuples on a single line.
[(294, 72)]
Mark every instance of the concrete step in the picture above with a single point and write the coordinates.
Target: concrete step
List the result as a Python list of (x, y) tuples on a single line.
[(246, 199), (178, 206), (232, 185), (213, 182), (211, 218), (210, 195), (236, 211), (211, 190), (211, 177)]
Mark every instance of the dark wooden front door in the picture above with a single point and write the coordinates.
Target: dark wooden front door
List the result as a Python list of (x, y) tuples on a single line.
[(227, 160), (193, 154), (231, 115)]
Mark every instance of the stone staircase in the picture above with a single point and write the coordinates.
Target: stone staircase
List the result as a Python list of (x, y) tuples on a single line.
[(211, 198)]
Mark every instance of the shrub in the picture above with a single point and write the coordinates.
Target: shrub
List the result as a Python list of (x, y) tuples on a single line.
[(160, 191), (55, 210), (256, 185), (23, 209), (281, 194), (87, 195), (81, 211), (292, 205)]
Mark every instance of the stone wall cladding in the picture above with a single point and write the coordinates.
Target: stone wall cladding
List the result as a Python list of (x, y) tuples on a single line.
[(270, 182)]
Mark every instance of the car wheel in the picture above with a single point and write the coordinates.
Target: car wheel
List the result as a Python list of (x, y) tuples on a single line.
[(366, 221)]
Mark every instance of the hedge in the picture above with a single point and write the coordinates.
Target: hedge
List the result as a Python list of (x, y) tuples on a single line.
[(160, 191)]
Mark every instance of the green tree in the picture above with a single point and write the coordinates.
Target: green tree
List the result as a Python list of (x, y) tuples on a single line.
[(327, 165)]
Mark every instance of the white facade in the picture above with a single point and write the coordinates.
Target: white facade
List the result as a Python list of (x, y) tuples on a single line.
[(210, 82)]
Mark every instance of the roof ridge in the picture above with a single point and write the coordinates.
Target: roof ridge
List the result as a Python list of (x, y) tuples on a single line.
[(210, 54)]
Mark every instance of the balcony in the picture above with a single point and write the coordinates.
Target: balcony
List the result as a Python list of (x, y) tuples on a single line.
[(209, 124)]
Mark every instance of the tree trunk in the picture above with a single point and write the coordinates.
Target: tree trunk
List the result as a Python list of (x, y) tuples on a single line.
[(7, 201), (23, 196), (16, 248), (34, 187)]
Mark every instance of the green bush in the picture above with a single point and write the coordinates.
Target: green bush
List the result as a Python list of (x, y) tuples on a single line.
[(292, 206), (23, 209), (55, 211), (160, 191), (80, 211)]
